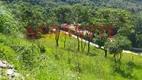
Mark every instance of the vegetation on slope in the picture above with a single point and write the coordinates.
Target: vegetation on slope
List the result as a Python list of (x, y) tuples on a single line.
[(42, 59), (66, 63)]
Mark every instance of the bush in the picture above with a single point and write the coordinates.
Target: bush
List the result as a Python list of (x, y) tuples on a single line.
[(8, 24), (29, 56), (7, 53)]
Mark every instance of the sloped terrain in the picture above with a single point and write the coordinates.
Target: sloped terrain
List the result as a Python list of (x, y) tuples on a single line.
[(41, 60)]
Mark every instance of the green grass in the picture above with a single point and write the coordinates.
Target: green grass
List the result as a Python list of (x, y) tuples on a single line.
[(67, 63)]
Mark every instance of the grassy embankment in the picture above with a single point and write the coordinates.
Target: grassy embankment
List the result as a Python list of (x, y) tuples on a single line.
[(61, 63)]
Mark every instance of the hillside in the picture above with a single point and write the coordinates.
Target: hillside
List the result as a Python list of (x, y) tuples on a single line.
[(130, 5), (66, 63), (35, 46)]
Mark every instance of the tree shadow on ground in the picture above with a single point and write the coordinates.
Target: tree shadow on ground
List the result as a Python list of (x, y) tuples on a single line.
[(138, 67), (126, 72), (91, 54)]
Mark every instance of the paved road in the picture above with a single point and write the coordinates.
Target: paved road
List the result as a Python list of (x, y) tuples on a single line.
[(124, 51)]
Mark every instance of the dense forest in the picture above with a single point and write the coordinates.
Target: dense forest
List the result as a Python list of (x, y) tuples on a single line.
[(86, 12), (50, 57)]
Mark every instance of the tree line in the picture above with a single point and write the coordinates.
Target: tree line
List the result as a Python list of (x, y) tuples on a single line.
[(23, 13)]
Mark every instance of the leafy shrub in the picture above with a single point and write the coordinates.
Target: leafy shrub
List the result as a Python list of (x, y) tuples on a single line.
[(29, 56), (6, 53), (2, 38), (7, 22), (42, 48)]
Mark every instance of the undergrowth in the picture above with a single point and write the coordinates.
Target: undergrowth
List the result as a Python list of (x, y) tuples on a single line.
[(42, 60)]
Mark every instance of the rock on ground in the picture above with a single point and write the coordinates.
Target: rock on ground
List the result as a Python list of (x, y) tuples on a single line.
[(7, 71)]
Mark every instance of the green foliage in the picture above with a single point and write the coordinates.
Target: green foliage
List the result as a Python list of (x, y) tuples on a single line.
[(23, 51), (29, 56), (7, 21), (138, 33), (9, 24), (42, 48), (80, 14), (40, 60), (66, 64), (64, 14), (138, 22), (100, 40), (139, 40), (28, 14), (122, 20), (6, 53), (118, 44)]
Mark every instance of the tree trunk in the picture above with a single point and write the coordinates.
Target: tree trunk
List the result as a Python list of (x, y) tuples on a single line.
[(105, 52), (114, 57), (57, 38), (57, 44), (84, 47), (120, 57), (65, 40), (81, 45), (69, 59), (78, 42), (88, 45)]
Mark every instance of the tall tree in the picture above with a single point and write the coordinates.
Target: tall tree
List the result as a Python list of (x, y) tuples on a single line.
[(121, 19), (100, 40), (117, 45), (138, 32)]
